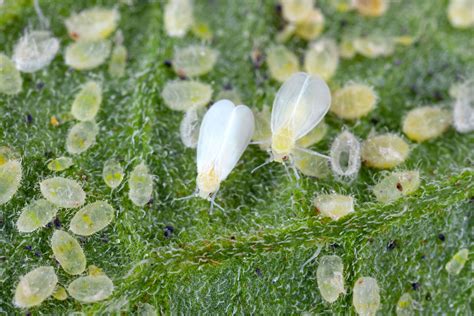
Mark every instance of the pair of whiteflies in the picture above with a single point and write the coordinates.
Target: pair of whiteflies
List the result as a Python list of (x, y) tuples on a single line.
[(226, 130)]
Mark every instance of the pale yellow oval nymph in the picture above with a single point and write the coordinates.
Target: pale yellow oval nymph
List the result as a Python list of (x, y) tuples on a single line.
[(112, 173), (68, 252), (322, 58), (35, 286), (10, 179), (146, 309), (202, 30), (60, 164), (81, 137), (35, 215), (63, 192), (118, 61), (178, 17), (182, 95), (457, 262), (194, 60), (87, 102), (425, 123), (10, 78), (282, 63), (314, 136), (334, 205), (395, 185), (7, 154), (366, 296), (91, 288), (312, 26), (384, 151), (92, 24), (189, 127), (329, 276), (296, 10), (346, 48), (374, 46), (405, 305), (353, 101), (310, 164), (345, 155), (86, 55), (35, 50), (140, 185), (372, 8), (60, 293), (92, 218), (461, 13), (463, 111)]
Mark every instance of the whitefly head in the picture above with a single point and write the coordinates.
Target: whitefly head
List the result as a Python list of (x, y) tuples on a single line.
[(301, 103), (224, 135)]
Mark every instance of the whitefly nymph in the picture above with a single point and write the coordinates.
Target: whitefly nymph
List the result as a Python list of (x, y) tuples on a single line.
[(224, 135), (300, 104), (35, 50)]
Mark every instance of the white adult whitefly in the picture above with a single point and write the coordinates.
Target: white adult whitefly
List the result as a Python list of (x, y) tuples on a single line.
[(224, 135), (300, 104), (35, 50)]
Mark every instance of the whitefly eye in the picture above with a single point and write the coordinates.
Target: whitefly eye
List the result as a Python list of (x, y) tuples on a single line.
[(194, 60), (87, 102), (10, 179), (60, 164), (63, 192), (366, 296), (457, 262), (140, 185), (68, 252), (112, 173), (92, 24), (334, 206), (322, 58), (282, 63), (92, 218), (178, 17), (91, 288), (345, 155), (329, 276), (10, 78), (353, 101), (35, 50), (81, 137), (86, 55), (184, 95), (35, 215), (35, 286), (384, 151)]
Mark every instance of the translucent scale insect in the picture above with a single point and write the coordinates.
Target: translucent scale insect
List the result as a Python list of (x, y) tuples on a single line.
[(223, 137), (118, 59), (322, 58), (92, 24), (87, 102), (35, 215), (60, 293), (460, 13), (312, 26), (35, 286), (182, 95), (189, 127), (60, 164), (146, 309), (353, 101), (384, 151), (329, 276), (334, 206), (35, 50), (178, 17), (86, 55), (10, 78), (68, 252), (345, 155), (463, 111), (63, 192), (112, 173), (457, 262), (406, 305), (396, 185), (10, 179), (296, 10), (366, 296), (81, 137), (91, 288), (426, 122), (194, 60), (140, 184), (282, 63), (299, 106), (374, 46), (92, 218)]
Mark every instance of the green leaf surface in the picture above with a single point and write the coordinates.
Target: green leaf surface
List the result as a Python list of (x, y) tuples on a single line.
[(253, 257)]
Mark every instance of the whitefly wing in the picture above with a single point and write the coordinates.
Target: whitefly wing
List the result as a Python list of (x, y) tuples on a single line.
[(300, 104), (224, 135)]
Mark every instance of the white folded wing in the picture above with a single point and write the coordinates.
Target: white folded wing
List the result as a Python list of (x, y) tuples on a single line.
[(225, 133), (300, 104)]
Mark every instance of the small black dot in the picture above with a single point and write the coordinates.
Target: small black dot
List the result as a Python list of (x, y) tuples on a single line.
[(442, 237), (37, 253), (57, 223), (428, 296), (168, 231), (29, 118), (392, 244), (278, 8), (28, 247), (399, 187), (40, 85), (258, 272), (343, 23), (168, 63), (415, 286)]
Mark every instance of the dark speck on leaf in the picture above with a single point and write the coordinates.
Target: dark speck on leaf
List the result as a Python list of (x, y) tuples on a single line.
[(428, 296), (334, 245), (57, 223), (49, 225), (40, 85), (414, 89), (278, 8), (27, 314), (343, 23), (415, 286), (399, 187), (37, 253), (437, 96), (29, 118), (374, 121), (397, 62), (441, 237), (28, 247), (392, 244), (168, 231), (232, 237), (258, 272), (168, 63), (228, 86)]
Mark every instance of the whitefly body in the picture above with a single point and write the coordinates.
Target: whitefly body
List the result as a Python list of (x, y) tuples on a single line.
[(223, 137), (300, 104)]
